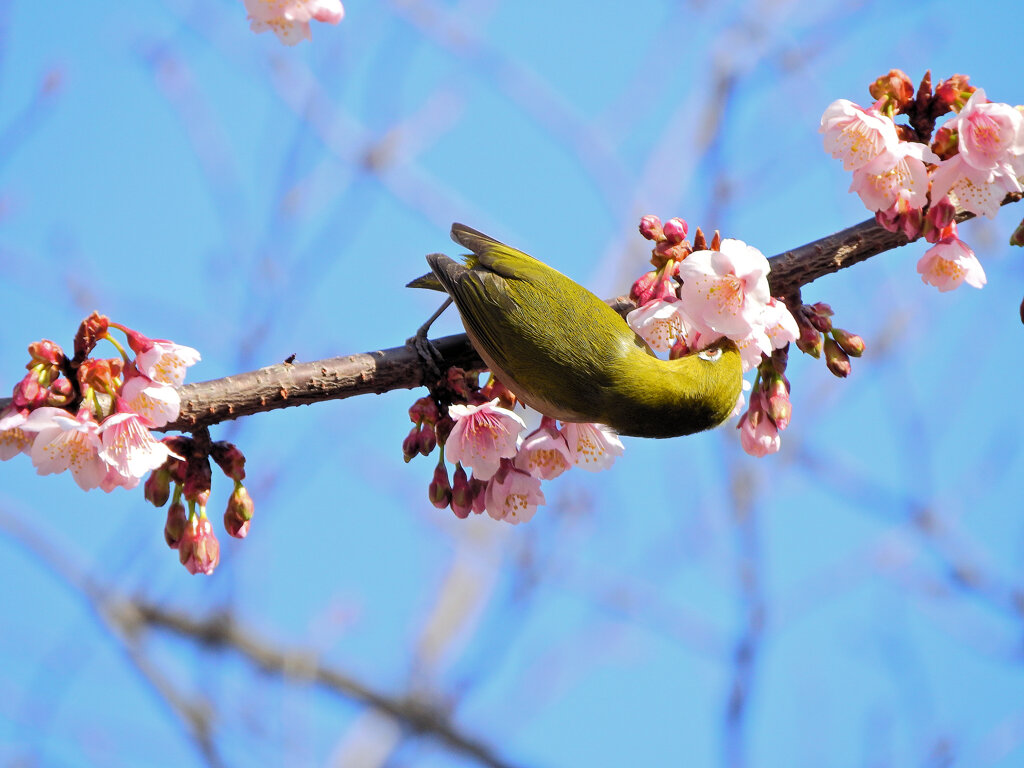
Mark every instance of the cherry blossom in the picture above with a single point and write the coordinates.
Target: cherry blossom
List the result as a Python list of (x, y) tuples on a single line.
[(13, 439), (482, 436), (157, 403), (595, 446), (904, 181), (65, 442), (726, 290), (659, 323), (991, 136), (857, 136), (950, 263), (976, 190), (513, 496), (289, 19), (545, 453), (779, 324), (161, 360), (129, 447)]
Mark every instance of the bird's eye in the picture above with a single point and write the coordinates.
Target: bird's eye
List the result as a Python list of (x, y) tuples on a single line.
[(711, 355)]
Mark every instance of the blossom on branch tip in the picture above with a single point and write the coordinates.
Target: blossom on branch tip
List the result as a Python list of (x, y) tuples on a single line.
[(595, 446), (161, 360), (157, 403), (902, 181), (857, 136), (545, 454), (513, 496), (482, 436), (65, 442), (129, 447), (950, 263), (726, 290)]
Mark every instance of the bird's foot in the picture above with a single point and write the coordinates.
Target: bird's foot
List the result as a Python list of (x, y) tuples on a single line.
[(428, 354)]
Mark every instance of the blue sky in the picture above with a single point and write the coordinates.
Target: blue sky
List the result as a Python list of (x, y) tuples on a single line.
[(203, 184)]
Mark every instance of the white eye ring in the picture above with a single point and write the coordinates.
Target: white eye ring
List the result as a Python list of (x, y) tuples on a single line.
[(711, 355)]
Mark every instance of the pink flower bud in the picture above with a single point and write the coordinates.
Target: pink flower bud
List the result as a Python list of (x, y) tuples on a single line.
[(229, 458), (952, 94), (440, 490), (28, 394), (462, 493), (946, 142), (938, 219), (850, 343), (411, 444), (820, 316), (60, 393), (479, 490), (424, 411), (46, 352), (836, 359), (777, 403), (174, 528), (238, 515), (650, 228), (158, 487), (810, 337), (643, 288), (675, 230), (199, 550)]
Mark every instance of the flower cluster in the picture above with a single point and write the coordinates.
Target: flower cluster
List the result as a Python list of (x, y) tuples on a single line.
[(94, 416), (914, 181), (289, 19), (698, 293), (479, 430)]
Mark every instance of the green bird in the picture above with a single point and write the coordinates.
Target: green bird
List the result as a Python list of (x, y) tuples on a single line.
[(566, 353)]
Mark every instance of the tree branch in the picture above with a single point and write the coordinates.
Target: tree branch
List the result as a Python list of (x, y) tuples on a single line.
[(288, 384)]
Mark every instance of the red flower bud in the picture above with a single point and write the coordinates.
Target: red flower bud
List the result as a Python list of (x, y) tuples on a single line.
[(836, 359), (199, 550), (424, 411), (440, 490), (650, 228), (158, 487), (895, 86), (675, 230), (174, 528), (850, 343), (427, 441), (462, 494), (239, 512), (229, 458), (411, 444)]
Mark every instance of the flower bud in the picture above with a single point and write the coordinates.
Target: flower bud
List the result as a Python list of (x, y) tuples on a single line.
[(440, 490), (679, 349), (946, 142), (1017, 238), (496, 389), (479, 490), (650, 228), (199, 550), (92, 329), (952, 94), (157, 488), (427, 441), (229, 458), (462, 493), (238, 515), (27, 392), (895, 86), (174, 528), (198, 477), (444, 427), (60, 393), (675, 230), (780, 359), (643, 289), (820, 316), (411, 444), (777, 403), (836, 359), (938, 220), (458, 382), (850, 343), (46, 352), (424, 411)]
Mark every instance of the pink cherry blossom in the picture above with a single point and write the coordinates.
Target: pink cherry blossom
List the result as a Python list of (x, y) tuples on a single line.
[(950, 263), (758, 434), (659, 323), (779, 324), (726, 290), (977, 191), (64, 442), (13, 439), (157, 403), (545, 453), (482, 436), (595, 446), (513, 496), (289, 19), (903, 179), (129, 447), (857, 136), (161, 360), (991, 136)]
